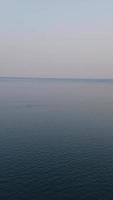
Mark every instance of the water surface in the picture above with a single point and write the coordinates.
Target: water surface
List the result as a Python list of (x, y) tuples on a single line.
[(56, 139)]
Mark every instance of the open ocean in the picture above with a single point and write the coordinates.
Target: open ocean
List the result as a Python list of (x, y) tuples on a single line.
[(56, 139)]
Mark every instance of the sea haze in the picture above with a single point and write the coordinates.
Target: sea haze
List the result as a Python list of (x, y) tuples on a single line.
[(56, 139)]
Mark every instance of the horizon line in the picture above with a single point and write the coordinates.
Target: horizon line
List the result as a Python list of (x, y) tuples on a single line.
[(56, 78)]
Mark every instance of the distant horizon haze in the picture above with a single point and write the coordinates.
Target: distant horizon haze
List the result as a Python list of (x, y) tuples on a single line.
[(55, 78)]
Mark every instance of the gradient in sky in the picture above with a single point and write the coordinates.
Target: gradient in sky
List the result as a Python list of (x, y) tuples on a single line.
[(63, 38)]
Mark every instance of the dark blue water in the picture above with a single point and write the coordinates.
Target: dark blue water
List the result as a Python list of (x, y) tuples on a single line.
[(56, 139)]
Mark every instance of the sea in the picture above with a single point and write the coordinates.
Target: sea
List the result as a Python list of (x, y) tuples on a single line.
[(56, 139)]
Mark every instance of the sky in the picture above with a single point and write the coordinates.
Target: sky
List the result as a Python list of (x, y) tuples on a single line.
[(61, 39)]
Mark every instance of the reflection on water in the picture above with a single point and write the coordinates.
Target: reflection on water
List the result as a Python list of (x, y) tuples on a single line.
[(56, 139)]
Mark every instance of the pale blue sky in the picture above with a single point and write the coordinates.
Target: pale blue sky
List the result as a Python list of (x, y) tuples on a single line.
[(48, 38)]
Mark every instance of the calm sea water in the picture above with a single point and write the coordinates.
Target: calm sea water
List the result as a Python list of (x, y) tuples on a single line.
[(56, 139)]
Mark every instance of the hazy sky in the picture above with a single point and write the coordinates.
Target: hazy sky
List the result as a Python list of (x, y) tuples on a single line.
[(56, 38)]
